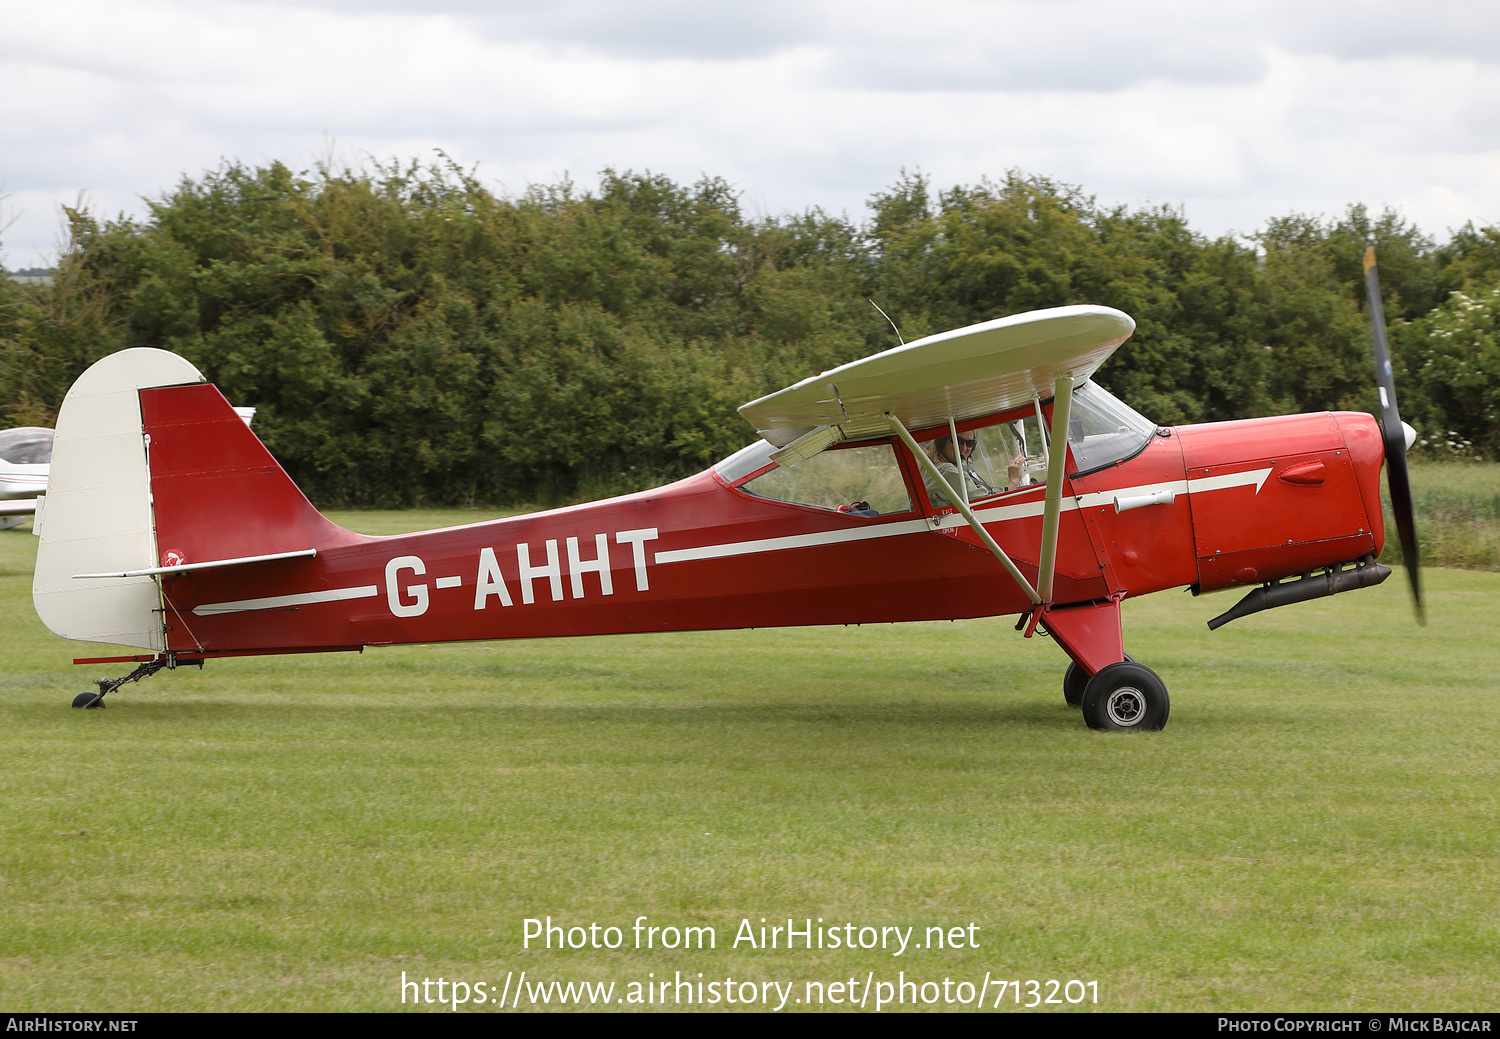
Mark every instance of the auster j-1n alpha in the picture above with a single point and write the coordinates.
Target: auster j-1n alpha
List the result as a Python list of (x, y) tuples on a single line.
[(969, 474)]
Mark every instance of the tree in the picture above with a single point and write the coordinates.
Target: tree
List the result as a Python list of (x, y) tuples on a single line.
[(1453, 359), (409, 336)]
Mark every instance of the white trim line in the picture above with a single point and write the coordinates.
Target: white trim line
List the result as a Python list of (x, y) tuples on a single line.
[(995, 514), (827, 537), (276, 602), (1241, 479)]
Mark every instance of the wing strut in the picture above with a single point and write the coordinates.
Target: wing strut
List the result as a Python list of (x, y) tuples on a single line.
[(1062, 409), (963, 485), (963, 506)]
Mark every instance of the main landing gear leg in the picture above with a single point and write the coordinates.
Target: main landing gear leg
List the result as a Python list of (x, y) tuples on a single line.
[(1121, 694), (109, 685)]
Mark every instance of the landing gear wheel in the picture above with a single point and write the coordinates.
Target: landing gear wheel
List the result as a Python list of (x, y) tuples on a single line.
[(89, 700), (1126, 697), (1075, 680)]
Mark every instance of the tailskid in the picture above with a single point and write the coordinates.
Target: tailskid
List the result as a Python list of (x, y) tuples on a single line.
[(168, 661)]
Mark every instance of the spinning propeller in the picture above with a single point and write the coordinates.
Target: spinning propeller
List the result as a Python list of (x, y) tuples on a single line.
[(1394, 436)]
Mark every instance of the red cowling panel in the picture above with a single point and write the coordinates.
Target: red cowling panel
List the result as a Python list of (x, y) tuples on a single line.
[(1214, 444), (217, 492), (1305, 509)]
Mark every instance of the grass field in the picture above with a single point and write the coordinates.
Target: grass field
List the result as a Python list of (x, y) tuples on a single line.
[(1316, 829), (1458, 515)]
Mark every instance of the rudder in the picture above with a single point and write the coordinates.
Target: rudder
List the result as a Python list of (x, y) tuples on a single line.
[(96, 514)]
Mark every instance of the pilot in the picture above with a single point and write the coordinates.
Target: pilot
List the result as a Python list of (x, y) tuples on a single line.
[(948, 465)]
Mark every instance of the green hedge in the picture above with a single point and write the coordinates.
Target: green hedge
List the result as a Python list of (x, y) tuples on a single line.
[(410, 337)]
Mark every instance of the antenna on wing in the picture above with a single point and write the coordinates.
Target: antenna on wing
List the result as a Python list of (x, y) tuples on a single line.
[(888, 318)]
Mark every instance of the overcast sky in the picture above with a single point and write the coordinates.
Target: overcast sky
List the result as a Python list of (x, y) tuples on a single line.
[(1237, 111)]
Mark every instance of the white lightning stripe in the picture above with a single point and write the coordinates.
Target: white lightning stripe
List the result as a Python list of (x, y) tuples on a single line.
[(277, 602), (1214, 483), (829, 537), (998, 514)]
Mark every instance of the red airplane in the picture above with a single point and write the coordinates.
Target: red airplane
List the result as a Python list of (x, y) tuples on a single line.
[(969, 474)]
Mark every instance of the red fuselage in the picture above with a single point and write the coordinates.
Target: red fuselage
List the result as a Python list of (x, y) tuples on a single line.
[(1253, 501)]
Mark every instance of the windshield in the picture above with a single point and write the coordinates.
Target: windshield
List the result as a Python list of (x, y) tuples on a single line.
[(1102, 431), (745, 461), (29, 445)]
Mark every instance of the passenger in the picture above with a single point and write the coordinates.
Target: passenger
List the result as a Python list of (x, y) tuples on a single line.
[(948, 465)]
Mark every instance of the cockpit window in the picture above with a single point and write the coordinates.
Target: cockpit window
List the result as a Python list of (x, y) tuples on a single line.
[(863, 481), (1004, 456), (1103, 431), (29, 445)]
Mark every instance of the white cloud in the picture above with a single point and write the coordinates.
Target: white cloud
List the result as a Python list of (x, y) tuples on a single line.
[(1239, 111)]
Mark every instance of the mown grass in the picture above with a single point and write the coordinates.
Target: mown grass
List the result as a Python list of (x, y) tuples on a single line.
[(1315, 830), (1458, 515)]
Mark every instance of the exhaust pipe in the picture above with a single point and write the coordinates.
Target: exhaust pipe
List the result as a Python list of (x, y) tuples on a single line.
[(1366, 574)]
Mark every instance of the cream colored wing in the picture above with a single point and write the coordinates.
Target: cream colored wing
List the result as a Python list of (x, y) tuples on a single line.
[(970, 371)]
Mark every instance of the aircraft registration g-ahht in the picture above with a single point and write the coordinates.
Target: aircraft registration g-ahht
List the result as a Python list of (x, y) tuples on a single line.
[(973, 473)]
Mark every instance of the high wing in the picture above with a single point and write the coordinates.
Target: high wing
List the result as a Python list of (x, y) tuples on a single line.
[(978, 370), (982, 369)]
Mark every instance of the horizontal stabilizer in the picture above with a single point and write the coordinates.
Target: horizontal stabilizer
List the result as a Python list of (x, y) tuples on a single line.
[(213, 564)]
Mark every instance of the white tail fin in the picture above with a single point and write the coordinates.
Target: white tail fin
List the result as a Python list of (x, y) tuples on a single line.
[(96, 516)]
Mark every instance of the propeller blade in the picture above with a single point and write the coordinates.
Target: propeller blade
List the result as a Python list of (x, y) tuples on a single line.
[(1393, 435)]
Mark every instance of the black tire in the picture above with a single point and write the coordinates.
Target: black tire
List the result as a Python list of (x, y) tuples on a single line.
[(1075, 681), (88, 700), (1126, 697)]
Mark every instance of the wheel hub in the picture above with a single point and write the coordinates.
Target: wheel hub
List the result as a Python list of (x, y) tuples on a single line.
[(1126, 705)]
